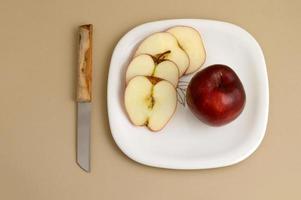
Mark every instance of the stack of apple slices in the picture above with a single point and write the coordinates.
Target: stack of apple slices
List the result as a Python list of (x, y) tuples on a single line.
[(153, 74)]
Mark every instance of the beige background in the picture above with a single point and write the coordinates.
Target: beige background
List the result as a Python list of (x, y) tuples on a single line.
[(37, 111)]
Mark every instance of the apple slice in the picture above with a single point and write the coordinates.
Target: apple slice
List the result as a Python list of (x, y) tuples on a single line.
[(191, 42), (164, 46), (145, 65), (150, 102), (169, 71)]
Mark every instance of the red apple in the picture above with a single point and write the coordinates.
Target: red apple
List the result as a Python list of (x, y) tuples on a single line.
[(216, 95)]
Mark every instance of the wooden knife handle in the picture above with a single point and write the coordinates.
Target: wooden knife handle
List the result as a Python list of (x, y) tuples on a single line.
[(84, 81)]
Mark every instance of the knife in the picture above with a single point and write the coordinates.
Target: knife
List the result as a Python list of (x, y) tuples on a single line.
[(84, 96)]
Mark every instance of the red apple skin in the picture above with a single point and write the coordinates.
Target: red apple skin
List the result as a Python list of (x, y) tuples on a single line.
[(216, 95)]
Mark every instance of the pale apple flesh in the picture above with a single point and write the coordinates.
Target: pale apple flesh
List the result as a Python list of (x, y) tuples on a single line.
[(191, 42), (159, 43), (140, 65), (167, 70), (146, 65), (153, 74), (150, 103)]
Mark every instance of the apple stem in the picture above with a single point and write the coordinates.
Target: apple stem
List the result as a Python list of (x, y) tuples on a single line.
[(180, 99), (181, 92), (182, 85)]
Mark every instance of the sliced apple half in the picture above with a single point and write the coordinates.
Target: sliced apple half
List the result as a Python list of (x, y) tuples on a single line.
[(146, 65), (150, 101), (165, 46), (191, 42)]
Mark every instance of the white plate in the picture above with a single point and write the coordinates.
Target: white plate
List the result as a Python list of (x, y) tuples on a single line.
[(187, 143)]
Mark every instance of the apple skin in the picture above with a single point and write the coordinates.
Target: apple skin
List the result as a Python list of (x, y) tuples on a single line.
[(216, 95)]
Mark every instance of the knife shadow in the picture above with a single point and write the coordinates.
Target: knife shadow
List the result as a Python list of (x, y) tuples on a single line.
[(74, 57), (75, 47)]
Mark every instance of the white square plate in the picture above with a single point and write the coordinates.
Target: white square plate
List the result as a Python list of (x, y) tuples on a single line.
[(186, 142)]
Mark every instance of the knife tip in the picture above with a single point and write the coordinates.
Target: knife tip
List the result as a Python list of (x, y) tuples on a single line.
[(85, 168)]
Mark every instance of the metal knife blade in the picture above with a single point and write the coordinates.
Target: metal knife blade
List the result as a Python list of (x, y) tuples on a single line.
[(83, 135), (84, 96)]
